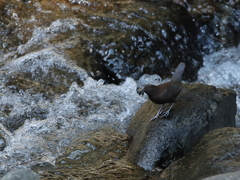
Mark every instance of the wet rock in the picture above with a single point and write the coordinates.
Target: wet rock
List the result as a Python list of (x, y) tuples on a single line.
[(150, 39), (199, 109), (13, 118), (112, 40), (44, 71), (218, 152), (20, 174), (39, 142), (98, 155), (227, 176), (218, 23), (225, 75), (16, 119)]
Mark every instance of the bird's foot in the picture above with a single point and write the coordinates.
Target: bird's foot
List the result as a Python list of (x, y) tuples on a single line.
[(155, 117), (166, 113), (158, 113)]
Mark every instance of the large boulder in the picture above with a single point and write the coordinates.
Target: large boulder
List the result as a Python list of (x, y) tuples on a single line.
[(227, 176), (218, 152), (199, 109)]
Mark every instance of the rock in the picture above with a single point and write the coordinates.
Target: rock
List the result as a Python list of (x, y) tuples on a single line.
[(215, 19), (218, 152), (199, 109), (129, 39), (98, 155), (227, 176), (21, 174)]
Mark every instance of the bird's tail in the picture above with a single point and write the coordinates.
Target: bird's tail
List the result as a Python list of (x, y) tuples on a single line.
[(177, 76)]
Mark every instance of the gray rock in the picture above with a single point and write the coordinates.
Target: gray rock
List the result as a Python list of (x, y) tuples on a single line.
[(218, 152), (227, 176), (21, 174), (199, 109)]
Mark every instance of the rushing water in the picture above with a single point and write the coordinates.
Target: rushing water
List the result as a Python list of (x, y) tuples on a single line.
[(78, 111), (221, 69), (46, 99)]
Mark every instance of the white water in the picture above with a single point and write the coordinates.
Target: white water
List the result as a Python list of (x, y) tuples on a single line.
[(222, 69), (51, 124), (83, 109), (80, 109)]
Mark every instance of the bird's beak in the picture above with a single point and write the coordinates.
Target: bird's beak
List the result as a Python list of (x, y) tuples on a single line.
[(140, 90)]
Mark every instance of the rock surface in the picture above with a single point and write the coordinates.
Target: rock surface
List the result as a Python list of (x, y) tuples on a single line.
[(111, 40), (96, 156), (218, 152), (227, 176), (199, 109)]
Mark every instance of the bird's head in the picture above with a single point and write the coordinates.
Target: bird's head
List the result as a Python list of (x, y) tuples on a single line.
[(140, 90), (146, 89)]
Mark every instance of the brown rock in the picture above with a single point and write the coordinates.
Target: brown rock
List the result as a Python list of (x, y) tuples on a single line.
[(218, 152)]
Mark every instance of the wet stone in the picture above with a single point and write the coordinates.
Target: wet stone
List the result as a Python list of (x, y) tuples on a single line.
[(99, 155), (109, 39), (218, 152), (198, 109)]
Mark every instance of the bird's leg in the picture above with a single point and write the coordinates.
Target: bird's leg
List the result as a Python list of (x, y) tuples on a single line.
[(158, 113), (166, 113)]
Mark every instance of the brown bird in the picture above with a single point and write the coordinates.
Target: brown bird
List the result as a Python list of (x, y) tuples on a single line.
[(167, 92)]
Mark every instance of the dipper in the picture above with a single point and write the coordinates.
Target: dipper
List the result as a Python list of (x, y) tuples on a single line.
[(167, 92)]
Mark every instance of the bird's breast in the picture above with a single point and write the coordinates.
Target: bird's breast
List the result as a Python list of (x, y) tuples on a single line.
[(165, 94)]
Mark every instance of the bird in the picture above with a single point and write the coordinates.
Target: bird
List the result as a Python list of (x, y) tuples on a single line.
[(166, 92)]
